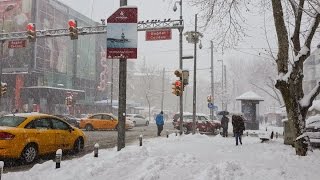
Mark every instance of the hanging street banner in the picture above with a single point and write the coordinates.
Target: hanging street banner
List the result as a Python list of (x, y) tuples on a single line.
[(161, 34), (122, 34), (17, 44)]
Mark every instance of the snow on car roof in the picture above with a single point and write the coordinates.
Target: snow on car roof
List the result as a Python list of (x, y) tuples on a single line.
[(313, 119)]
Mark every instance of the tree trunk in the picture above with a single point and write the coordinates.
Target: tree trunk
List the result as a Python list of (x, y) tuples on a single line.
[(292, 92)]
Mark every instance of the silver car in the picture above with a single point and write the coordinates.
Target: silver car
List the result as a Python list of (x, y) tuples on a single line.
[(138, 120), (313, 129)]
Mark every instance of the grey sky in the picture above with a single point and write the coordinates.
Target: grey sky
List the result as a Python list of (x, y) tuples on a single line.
[(165, 53)]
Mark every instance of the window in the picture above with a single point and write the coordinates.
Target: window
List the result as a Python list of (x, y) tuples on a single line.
[(57, 124), (202, 118), (39, 124), (98, 116), (11, 121), (107, 117)]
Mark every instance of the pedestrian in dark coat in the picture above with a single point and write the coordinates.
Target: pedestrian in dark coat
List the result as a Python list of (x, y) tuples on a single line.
[(238, 128), (160, 122), (224, 124)]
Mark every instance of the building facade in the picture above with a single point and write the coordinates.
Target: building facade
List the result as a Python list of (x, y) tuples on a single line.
[(42, 74)]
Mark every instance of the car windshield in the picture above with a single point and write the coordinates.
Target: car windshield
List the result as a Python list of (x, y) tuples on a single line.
[(11, 121)]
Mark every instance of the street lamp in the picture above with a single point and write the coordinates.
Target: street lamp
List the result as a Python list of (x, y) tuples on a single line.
[(193, 37), (8, 8), (180, 59)]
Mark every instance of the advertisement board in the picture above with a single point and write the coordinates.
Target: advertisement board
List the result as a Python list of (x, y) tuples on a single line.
[(122, 33)]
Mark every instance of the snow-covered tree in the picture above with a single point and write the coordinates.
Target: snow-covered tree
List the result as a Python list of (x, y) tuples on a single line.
[(295, 22)]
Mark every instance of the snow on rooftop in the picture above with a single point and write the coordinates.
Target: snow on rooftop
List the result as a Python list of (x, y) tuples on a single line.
[(250, 95), (187, 157)]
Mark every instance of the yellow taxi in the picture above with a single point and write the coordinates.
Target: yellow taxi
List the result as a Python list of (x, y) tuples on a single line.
[(102, 121), (25, 136)]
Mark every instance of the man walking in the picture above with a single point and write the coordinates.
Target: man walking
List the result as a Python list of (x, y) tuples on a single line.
[(238, 127), (159, 122), (224, 124)]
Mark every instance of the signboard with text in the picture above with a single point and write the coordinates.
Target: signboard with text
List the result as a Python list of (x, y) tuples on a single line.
[(17, 44), (155, 35), (122, 36)]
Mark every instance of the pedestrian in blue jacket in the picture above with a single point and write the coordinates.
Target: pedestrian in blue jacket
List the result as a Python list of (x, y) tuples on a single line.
[(159, 122)]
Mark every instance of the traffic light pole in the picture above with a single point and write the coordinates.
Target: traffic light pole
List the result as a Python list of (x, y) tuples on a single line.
[(181, 67), (194, 109)]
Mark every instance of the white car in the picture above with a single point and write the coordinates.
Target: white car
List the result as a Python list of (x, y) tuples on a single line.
[(313, 129), (138, 120)]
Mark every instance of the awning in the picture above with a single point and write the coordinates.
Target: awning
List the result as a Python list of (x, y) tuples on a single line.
[(54, 94)]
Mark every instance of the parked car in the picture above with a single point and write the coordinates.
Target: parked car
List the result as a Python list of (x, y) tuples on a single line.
[(203, 124), (313, 129), (138, 119), (25, 136), (102, 121), (70, 119)]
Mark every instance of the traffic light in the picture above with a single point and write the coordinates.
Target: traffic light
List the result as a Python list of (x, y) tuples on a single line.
[(31, 31), (185, 77), (73, 29), (3, 88), (177, 88)]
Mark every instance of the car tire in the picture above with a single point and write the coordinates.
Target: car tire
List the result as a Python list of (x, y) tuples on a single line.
[(89, 127), (29, 154), (147, 123), (78, 145)]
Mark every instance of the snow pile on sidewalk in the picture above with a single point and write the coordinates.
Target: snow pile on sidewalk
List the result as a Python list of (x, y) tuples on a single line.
[(187, 157)]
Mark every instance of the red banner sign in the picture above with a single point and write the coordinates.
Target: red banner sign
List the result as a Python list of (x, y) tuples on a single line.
[(17, 44), (155, 35)]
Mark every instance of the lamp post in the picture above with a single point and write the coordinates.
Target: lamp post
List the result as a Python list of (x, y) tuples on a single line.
[(222, 86), (180, 59), (194, 37), (8, 8)]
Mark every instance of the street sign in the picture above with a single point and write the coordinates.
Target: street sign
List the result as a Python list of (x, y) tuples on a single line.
[(17, 44), (122, 33), (155, 35)]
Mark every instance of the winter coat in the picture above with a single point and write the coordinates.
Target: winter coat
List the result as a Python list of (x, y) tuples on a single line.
[(238, 124), (159, 119), (224, 122)]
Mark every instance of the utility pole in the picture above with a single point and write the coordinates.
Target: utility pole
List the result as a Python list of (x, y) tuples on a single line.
[(225, 85), (163, 77), (212, 81), (122, 97), (194, 110)]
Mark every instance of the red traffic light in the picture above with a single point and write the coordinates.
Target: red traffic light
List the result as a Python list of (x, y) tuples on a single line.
[(30, 27), (178, 83), (72, 23)]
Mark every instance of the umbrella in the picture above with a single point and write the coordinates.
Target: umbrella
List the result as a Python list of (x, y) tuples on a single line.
[(223, 113)]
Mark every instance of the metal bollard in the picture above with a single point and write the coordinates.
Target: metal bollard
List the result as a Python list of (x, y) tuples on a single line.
[(140, 139), (1, 168), (96, 150), (167, 133), (58, 158), (277, 135)]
